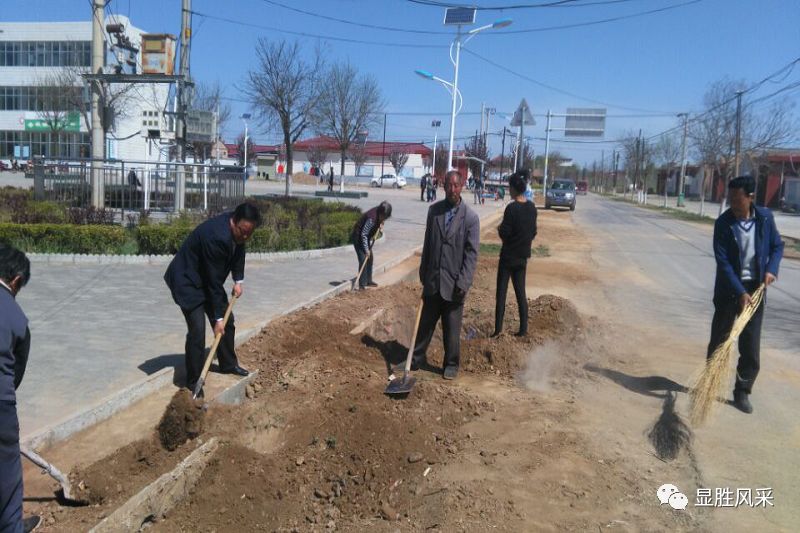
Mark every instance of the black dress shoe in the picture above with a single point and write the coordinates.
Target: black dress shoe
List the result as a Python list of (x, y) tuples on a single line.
[(521, 334), (239, 371), (372, 284), (417, 365), (495, 335), (450, 372), (31, 523), (741, 401)]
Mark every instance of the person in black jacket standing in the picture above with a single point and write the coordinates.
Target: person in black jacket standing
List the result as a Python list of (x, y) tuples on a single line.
[(364, 233), (15, 341), (517, 232), (196, 277)]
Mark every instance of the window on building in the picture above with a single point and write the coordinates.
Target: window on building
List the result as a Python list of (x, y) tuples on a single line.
[(33, 98), (45, 53), (48, 144)]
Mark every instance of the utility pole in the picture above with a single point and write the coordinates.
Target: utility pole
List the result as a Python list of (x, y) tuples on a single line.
[(502, 153), (615, 159), (546, 153), (383, 148), (180, 125), (98, 138), (738, 146), (602, 170), (682, 181), (636, 171)]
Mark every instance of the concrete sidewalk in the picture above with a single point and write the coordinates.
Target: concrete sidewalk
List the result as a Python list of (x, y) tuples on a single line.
[(97, 329), (788, 224)]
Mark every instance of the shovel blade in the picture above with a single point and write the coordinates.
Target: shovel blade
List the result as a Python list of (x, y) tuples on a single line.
[(403, 385)]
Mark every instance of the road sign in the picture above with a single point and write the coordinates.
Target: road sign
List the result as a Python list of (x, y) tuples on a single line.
[(585, 122), (523, 115), (200, 126), (70, 122), (459, 16)]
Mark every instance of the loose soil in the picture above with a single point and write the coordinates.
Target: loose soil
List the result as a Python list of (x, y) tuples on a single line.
[(318, 446), (182, 420)]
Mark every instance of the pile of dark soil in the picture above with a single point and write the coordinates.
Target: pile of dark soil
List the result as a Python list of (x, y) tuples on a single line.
[(182, 420)]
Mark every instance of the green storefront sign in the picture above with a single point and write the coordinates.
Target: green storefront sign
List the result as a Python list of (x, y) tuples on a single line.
[(72, 122)]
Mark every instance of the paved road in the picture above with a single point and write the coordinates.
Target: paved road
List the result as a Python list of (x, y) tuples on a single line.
[(788, 224), (676, 259), (659, 275), (99, 328)]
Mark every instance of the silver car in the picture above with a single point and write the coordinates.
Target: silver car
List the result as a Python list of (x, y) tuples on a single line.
[(561, 194)]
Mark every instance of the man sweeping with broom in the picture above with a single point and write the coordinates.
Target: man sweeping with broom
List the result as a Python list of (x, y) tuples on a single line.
[(748, 250)]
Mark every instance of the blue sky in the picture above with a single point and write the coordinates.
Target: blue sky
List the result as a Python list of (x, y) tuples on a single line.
[(661, 63)]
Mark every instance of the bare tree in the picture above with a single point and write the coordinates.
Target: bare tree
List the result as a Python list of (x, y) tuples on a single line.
[(666, 153), (440, 165), (283, 91), (349, 103), (210, 97), (358, 155), (251, 152), (317, 155), (476, 148), (398, 158), (713, 132)]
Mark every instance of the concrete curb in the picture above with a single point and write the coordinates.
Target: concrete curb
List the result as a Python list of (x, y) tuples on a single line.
[(159, 497)]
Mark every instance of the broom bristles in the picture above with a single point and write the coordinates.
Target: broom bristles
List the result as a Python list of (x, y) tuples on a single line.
[(708, 383)]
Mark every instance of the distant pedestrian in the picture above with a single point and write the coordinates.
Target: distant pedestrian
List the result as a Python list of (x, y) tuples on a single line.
[(517, 231), (446, 271), (330, 180), (364, 233), (748, 250), (15, 341), (423, 185), (434, 186), (477, 190), (213, 251)]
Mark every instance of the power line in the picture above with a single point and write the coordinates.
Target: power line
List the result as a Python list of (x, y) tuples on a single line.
[(557, 3), (313, 36), (556, 89), (596, 22)]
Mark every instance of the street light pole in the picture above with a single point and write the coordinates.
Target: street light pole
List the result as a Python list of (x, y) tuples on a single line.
[(546, 153), (245, 117), (456, 61)]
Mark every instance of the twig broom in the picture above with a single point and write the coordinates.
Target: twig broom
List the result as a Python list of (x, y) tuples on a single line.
[(708, 383)]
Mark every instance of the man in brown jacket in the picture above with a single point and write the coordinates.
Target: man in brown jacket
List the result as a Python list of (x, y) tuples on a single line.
[(449, 258)]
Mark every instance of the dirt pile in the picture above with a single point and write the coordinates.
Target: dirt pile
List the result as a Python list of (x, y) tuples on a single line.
[(182, 420)]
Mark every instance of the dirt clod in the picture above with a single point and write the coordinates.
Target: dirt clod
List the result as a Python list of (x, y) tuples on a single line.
[(182, 420)]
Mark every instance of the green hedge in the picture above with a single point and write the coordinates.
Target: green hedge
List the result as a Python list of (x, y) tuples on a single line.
[(65, 238), (289, 224)]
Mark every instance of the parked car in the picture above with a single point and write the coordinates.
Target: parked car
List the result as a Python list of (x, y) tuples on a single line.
[(389, 180), (582, 187), (4, 165), (561, 194)]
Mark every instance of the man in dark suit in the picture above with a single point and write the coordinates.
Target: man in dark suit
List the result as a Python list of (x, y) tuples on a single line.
[(196, 277), (15, 341), (449, 258), (748, 250)]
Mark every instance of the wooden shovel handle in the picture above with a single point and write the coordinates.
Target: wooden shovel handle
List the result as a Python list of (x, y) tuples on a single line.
[(414, 336), (214, 347)]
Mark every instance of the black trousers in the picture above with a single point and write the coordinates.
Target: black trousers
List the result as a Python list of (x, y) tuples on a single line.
[(196, 343), (516, 271), (749, 340), (366, 276), (422, 194), (433, 308), (10, 470)]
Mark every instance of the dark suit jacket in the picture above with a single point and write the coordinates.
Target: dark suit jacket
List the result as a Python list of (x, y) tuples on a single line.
[(449, 258), (769, 251), (198, 271), (15, 342)]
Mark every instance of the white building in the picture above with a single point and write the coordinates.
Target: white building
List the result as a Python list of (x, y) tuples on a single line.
[(32, 55)]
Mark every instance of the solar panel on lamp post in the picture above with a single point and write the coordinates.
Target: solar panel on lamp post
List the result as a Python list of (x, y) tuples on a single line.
[(453, 87)]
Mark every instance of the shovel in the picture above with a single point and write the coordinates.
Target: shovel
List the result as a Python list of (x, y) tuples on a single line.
[(53, 472), (406, 384), (213, 352), (366, 259)]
